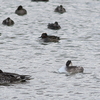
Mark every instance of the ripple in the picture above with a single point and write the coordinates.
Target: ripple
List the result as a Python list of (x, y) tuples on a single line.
[(22, 51)]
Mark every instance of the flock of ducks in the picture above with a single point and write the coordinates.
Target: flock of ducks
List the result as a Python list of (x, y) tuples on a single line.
[(19, 11), (6, 77)]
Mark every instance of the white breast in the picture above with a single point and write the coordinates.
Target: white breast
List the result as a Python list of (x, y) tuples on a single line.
[(62, 69)]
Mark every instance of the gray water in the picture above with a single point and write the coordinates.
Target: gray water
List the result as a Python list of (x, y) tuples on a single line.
[(21, 51)]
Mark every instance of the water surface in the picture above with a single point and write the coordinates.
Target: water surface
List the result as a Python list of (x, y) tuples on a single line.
[(22, 52)]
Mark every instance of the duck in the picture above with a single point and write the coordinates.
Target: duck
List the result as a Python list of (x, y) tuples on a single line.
[(20, 11), (49, 38), (54, 26), (40, 0), (7, 77), (69, 68), (8, 22), (60, 9)]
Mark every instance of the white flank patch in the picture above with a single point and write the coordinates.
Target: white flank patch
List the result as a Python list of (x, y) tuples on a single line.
[(62, 69)]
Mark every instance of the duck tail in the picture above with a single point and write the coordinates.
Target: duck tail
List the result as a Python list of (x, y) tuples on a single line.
[(25, 77)]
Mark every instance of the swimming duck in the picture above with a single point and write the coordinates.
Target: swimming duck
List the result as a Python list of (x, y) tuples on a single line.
[(71, 69), (54, 26), (20, 11), (60, 9), (8, 22), (6, 77), (49, 38), (39, 0)]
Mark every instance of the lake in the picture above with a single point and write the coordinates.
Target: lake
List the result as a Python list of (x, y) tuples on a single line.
[(21, 51)]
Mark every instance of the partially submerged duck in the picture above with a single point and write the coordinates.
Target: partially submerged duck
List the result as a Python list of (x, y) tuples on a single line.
[(8, 22), (6, 77), (54, 26), (60, 9), (71, 69), (40, 0), (49, 38), (20, 11)]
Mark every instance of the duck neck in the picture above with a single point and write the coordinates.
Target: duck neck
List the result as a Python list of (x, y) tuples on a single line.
[(67, 66)]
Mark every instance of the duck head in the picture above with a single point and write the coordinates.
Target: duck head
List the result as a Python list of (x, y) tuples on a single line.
[(68, 63), (44, 35)]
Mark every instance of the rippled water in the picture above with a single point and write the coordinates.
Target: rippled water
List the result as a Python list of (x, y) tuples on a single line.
[(22, 52)]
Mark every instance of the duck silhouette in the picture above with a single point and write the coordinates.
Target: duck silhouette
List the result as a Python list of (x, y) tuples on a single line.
[(40, 0), (60, 9), (7, 77), (21, 11), (8, 22), (71, 69), (49, 38), (54, 26)]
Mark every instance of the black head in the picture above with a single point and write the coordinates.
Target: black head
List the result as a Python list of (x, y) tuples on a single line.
[(68, 62), (1, 71), (56, 23), (20, 7), (61, 6), (8, 18), (44, 35)]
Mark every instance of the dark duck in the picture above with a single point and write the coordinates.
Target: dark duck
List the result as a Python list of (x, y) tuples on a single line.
[(49, 38), (6, 77), (40, 0)]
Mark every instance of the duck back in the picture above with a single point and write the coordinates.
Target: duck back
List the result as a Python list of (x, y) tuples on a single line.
[(75, 69)]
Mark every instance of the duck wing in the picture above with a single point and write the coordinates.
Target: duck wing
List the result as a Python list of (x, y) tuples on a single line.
[(75, 69), (16, 77), (54, 37)]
